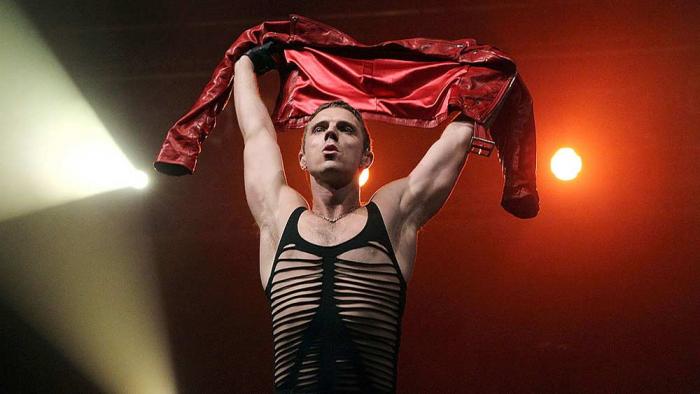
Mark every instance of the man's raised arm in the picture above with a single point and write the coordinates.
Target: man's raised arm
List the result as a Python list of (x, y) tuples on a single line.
[(263, 171), (424, 191)]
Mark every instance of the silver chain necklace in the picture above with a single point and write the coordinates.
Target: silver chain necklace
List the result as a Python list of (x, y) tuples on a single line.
[(336, 219)]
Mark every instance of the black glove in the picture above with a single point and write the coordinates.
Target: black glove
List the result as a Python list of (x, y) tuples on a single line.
[(266, 57)]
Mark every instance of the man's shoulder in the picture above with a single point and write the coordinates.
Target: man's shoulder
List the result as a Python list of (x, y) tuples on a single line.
[(388, 199), (289, 200), (391, 192)]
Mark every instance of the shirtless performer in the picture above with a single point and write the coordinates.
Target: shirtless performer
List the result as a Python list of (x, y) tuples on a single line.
[(335, 272)]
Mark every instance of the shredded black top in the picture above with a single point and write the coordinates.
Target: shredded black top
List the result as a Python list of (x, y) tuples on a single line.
[(336, 320)]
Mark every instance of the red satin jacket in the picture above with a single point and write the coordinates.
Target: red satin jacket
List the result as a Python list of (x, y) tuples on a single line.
[(413, 82)]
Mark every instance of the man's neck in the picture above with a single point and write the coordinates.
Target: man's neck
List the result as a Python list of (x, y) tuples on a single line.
[(331, 202)]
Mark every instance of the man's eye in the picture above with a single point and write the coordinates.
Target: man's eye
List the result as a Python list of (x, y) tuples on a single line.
[(347, 128), (316, 129)]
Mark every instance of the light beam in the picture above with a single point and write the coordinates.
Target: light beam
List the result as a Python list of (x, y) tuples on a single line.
[(85, 281), (54, 147)]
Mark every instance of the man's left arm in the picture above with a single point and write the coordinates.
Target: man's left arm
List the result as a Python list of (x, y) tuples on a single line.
[(424, 191)]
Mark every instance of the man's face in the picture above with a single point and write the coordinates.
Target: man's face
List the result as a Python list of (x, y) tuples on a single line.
[(333, 149)]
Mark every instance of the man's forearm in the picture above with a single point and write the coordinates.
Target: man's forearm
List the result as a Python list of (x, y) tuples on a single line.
[(252, 114)]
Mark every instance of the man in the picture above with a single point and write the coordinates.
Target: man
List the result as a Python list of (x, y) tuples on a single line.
[(335, 272)]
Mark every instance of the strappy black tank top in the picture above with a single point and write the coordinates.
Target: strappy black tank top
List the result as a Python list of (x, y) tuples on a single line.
[(336, 321)]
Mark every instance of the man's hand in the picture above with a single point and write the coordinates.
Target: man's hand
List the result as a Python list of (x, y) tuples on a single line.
[(266, 57)]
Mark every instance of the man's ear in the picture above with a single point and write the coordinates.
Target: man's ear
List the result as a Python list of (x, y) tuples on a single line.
[(302, 161), (367, 159)]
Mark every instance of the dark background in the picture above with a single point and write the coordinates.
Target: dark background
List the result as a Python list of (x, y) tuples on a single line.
[(599, 293)]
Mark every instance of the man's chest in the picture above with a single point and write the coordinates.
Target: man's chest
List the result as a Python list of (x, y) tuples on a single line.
[(341, 240), (350, 233)]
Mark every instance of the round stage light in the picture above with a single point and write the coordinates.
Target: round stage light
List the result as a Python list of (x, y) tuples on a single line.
[(566, 164), (364, 176)]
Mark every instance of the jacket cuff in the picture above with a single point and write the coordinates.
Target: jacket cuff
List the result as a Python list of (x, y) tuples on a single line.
[(176, 162)]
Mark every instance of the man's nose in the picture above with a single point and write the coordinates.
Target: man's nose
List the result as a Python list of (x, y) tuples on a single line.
[(332, 133)]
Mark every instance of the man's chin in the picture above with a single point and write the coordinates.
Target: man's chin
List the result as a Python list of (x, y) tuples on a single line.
[(331, 165), (332, 174), (330, 170)]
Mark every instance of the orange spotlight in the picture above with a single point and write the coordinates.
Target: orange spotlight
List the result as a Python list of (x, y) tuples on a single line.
[(566, 164), (364, 176)]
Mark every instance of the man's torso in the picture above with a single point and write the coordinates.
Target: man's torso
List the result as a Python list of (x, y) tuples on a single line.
[(337, 294)]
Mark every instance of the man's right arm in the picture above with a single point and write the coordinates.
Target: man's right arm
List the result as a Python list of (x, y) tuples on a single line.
[(266, 186)]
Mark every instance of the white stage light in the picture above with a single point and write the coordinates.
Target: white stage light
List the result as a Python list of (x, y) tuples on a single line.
[(566, 164), (85, 283), (364, 176), (139, 180), (54, 147)]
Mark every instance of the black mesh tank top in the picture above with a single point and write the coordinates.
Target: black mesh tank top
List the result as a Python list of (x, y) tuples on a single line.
[(336, 318)]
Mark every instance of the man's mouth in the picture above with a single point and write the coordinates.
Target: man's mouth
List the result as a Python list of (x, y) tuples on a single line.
[(330, 149), (330, 152)]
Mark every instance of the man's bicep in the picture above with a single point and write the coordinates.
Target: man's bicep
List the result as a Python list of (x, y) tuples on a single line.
[(263, 173), (430, 183)]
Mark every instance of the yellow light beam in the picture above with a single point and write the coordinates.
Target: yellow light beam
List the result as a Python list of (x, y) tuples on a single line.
[(54, 147), (84, 280)]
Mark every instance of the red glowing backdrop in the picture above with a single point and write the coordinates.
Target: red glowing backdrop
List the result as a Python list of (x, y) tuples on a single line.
[(599, 293)]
